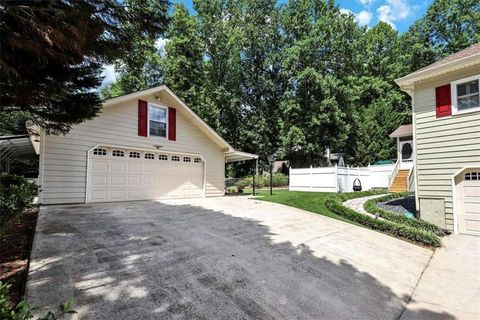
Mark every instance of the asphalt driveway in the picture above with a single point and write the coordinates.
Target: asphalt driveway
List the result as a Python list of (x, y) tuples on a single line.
[(219, 258)]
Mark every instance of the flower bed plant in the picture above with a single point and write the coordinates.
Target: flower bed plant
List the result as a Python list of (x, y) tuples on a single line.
[(372, 207), (408, 232)]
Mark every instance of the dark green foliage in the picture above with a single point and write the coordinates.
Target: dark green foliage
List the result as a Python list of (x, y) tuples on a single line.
[(53, 52), (371, 207), (23, 311), (295, 78), (278, 180), (16, 196), (408, 232)]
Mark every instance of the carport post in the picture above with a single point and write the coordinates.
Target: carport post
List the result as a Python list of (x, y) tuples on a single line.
[(254, 173)]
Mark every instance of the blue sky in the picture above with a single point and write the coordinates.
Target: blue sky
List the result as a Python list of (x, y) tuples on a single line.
[(399, 13)]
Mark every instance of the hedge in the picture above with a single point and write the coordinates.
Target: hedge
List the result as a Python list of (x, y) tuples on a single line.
[(334, 204), (372, 207)]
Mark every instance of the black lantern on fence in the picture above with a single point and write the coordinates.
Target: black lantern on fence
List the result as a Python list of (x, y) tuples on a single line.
[(357, 185)]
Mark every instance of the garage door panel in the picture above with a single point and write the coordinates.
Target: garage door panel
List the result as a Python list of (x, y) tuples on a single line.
[(117, 195), (100, 165), (117, 180), (99, 180), (117, 166), (471, 191), (123, 178)]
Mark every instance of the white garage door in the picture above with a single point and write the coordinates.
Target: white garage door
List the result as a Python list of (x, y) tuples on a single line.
[(468, 202), (126, 174)]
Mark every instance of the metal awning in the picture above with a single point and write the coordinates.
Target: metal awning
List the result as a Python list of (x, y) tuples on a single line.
[(235, 156), (14, 147)]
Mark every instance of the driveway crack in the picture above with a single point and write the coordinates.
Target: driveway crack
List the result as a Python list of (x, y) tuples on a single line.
[(416, 285)]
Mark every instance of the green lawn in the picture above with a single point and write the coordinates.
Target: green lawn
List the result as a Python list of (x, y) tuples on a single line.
[(310, 201)]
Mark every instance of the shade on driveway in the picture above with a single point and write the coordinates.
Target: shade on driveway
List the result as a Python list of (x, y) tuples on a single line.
[(218, 258)]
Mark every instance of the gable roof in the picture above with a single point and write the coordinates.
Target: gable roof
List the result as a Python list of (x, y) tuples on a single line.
[(192, 116), (461, 59), (402, 131)]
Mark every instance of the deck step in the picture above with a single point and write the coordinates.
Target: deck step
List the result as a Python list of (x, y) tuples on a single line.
[(400, 181)]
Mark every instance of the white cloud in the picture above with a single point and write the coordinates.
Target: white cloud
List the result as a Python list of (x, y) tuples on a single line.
[(362, 18), (160, 45), (366, 2), (393, 10), (109, 75)]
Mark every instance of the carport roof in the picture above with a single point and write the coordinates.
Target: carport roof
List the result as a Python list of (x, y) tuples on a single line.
[(15, 146)]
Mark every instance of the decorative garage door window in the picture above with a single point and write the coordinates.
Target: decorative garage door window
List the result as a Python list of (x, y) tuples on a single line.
[(197, 160), (134, 154), (118, 153), (175, 158), (149, 156), (472, 176), (100, 152), (187, 159), (163, 157)]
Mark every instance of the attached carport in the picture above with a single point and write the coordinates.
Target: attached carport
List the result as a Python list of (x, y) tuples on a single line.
[(16, 147), (238, 156)]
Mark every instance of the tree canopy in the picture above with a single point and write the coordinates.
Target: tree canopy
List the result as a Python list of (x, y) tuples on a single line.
[(287, 79)]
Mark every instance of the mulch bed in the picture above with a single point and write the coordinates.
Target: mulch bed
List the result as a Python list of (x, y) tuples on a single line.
[(16, 239)]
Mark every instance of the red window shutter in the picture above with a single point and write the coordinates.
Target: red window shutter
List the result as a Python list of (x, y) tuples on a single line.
[(142, 118), (172, 124), (443, 99)]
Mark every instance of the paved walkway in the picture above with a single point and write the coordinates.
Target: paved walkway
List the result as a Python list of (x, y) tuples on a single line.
[(450, 285), (357, 204)]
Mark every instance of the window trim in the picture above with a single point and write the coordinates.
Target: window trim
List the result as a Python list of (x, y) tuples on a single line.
[(159, 106), (453, 89)]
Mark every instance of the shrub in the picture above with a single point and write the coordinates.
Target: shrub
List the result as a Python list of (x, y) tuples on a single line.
[(372, 207), (334, 204), (232, 189), (278, 180), (23, 311), (242, 184), (16, 196)]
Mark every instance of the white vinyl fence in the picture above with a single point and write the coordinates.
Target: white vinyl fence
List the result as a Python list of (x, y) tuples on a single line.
[(339, 179)]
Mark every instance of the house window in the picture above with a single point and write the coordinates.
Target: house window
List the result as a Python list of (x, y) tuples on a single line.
[(187, 159), (466, 95), (134, 154), (163, 157), (157, 121), (175, 158), (100, 152), (149, 156), (117, 153), (197, 160)]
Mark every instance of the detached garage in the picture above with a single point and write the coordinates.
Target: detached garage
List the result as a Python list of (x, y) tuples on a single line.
[(142, 146)]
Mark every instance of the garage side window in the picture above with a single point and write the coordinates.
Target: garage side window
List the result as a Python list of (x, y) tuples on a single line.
[(187, 159), (149, 156), (175, 158), (157, 121), (118, 153), (100, 152), (197, 160), (134, 154), (163, 157)]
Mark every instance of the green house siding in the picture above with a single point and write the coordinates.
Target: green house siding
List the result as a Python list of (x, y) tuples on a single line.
[(443, 147)]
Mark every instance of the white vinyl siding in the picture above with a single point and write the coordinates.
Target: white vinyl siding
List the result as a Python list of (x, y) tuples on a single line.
[(65, 157), (443, 145)]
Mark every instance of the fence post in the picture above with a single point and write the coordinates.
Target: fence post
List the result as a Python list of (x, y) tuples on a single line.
[(336, 178), (310, 184)]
